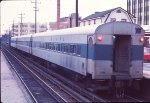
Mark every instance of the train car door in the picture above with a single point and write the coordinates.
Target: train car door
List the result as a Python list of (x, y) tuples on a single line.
[(121, 53), (30, 45), (90, 55), (17, 42)]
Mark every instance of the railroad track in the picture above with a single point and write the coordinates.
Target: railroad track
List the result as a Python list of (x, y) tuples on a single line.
[(71, 94), (32, 86), (45, 86), (78, 94)]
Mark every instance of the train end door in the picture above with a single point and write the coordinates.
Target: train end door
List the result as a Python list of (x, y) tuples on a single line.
[(121, 53)]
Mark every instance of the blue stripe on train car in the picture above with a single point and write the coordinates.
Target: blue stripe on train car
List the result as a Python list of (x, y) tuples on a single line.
[(104, 52), (137, 52), (84, 50), (99, 52)]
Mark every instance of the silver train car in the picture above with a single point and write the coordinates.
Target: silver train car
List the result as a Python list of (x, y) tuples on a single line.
[(103, 51)]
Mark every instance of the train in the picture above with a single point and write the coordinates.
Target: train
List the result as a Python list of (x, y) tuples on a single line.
[(111, 52)]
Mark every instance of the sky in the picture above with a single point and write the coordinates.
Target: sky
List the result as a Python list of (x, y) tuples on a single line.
[(10, 10)]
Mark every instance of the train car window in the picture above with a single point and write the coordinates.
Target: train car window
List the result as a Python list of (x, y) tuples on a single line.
[(74, 49), (27, 44), (37, 44), (62, 47), (124, 20), (67, 48), (53, 46), (78, 49), (58, 47), (49, 46), (112, 19), (71, 49), (46, 45), (40, 45), (43, 45), (118, 11), (32, 43), (138, 30)]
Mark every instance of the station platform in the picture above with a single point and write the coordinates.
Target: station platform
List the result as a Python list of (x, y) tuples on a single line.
[(11, 91), (146, 70)]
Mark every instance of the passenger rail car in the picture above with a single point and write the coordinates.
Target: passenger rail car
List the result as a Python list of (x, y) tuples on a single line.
[(104, 51)]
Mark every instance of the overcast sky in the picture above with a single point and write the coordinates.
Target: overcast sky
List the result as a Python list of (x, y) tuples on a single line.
[(11, 9)]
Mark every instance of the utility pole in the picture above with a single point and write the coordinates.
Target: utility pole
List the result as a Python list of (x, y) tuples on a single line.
[(9, 38), (35, 9), (13, 27), (58, 13), (77, 13), (21, 16)]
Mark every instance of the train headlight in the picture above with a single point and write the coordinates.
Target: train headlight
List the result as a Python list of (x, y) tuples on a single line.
[(142, 39), (99, 38)]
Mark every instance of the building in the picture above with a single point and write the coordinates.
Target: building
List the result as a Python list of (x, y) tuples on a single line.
[(27, 28), (62, 25), (111, 15), (141, 10), (65, 22)]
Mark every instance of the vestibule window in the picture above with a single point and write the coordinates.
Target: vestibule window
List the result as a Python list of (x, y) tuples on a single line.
[(112, 19), (89, 22), (124, 20)]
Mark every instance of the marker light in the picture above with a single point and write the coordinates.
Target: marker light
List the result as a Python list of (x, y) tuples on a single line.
[(142, 39), (99, 38)]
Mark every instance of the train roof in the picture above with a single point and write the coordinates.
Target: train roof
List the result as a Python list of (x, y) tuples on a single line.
[(111, 28), (29, 35), (119, 28), (85, 30)]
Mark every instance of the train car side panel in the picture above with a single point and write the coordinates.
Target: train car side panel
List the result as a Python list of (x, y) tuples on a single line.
[(66, 55)]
